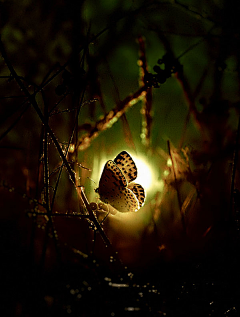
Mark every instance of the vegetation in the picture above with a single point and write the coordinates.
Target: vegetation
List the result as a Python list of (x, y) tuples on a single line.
[(79, 83)]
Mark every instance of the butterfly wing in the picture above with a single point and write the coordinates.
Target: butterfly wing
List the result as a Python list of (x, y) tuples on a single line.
[(139, 192), (126, 164), (113, 186), (124, 200), (112, 189), (111, 178)]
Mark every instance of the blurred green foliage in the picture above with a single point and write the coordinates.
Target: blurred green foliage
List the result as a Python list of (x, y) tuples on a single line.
[(101, 37)]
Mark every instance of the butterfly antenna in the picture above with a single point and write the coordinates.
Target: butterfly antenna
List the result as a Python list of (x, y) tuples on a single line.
[(105, 217), (91, 180)]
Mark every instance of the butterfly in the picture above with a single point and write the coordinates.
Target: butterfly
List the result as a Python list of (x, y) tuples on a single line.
[(116, 186)]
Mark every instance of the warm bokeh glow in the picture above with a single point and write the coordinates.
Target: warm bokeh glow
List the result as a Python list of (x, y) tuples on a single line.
[(145, 174)]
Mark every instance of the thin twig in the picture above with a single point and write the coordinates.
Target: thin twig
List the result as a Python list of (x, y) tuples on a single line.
[(177, 188), (92, 216), (78, 215), (33, 101), (234, 169), (147, 101), (50, 223), (14, 123), (45, 159), (110, 118), (194, 12)]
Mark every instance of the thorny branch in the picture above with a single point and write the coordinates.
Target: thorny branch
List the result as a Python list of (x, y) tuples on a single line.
[(33, 101), (194, 11), (147, 100), (110, 118), (128, 101)]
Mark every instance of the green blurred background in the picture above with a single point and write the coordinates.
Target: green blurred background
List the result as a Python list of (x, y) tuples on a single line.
[(41, 35)]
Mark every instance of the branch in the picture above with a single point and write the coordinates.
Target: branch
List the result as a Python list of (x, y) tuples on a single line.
[(177, 188), (32, 100), (110, 118), (81, 194), (147, 100)]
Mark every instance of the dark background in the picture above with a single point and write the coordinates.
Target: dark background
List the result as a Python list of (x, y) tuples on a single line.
[(67, 54)]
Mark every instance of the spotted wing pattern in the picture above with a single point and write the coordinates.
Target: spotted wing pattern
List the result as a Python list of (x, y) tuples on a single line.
[(139, 191), (114, 188), (123, 200), (111, 177), (125, 162)]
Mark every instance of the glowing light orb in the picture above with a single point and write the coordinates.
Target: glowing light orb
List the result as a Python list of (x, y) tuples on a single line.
[(145, 175)]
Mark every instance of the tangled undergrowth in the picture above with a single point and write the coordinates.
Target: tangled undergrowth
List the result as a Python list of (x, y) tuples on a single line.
[(73, 97)]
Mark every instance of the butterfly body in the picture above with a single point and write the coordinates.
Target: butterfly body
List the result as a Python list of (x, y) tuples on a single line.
[(116, 186)]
